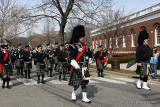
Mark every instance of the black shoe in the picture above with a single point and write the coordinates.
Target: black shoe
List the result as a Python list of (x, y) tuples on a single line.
[(64, 79), (3, 86), (43, 82), (38, 81), (9, 87)]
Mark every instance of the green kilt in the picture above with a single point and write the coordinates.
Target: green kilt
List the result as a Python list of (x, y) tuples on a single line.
[(6, 70), (40, 68), (76, 78), (62, 66), (28, 65), (101, 65), (56, 60), (143, 68), (19, 63), (50, 62)]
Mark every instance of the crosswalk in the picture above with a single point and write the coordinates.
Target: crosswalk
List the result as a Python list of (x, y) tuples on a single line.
[(94, 80)]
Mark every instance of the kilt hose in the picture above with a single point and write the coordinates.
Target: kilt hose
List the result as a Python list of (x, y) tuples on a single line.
[(40, 69), (76, 79)]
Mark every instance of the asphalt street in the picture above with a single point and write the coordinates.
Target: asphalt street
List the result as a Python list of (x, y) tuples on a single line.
[(113, 90)]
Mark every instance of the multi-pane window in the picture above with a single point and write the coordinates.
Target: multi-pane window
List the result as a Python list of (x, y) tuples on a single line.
[(110, 43), (124, 41), (105, 43), (157, 35), (133, 36), (117, 42), (93, 44), (100, 41)]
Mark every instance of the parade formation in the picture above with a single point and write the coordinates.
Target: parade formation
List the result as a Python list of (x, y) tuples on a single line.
[(73, 59)]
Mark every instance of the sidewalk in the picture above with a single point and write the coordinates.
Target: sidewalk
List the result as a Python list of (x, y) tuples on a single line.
[(123, 66)]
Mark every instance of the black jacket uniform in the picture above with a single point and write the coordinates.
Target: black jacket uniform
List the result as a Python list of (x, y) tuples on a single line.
[(76, 48), (2, 55), (39, 57), (19, 54), (143, 53), (61, 56), (26, 55)]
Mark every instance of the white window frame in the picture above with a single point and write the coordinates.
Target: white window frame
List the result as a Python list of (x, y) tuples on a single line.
[(124, 41), (156, 34), (105, 43), (100, 41), (110, 43), (93, 44), (133, 36), (117, 42), (96, 44)]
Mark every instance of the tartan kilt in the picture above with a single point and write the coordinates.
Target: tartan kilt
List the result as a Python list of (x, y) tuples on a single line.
[(6, 71), (143, 68), (101, 65), (38, 69), (76, 77), (48, 63), (25, 65), (62, 66), (56, 60), (18, 63)]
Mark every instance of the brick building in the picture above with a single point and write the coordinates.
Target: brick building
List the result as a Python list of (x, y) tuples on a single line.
[(147, 19)]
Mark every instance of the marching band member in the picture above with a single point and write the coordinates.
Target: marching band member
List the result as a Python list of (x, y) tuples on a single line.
[(27, 57), (78, 57), (143, 56), (5, 64), (40, 59)]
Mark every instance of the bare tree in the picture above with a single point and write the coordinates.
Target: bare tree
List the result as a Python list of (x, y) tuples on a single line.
[(64, 10), (11, 21)]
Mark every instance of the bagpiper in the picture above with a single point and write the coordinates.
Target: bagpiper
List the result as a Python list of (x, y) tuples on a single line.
[(27, 57), (143, 56), (19, 60), (50, 61), (62, 62), (5, 64), (40, 59), (56, 49), (78, 57), (13, 55), (67, 53), (99, 56)]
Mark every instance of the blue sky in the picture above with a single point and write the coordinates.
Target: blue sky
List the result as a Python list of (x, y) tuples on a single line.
[(130, 6), (135, 5)]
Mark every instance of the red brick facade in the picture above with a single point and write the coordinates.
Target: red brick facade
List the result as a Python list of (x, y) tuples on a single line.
[(151, 27)]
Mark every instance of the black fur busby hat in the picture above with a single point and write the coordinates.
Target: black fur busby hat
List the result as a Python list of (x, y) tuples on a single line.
[(78, 31), (3, 45), (142, 36)]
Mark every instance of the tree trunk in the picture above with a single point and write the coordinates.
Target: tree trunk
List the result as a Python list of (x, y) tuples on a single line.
[(61, 31)]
